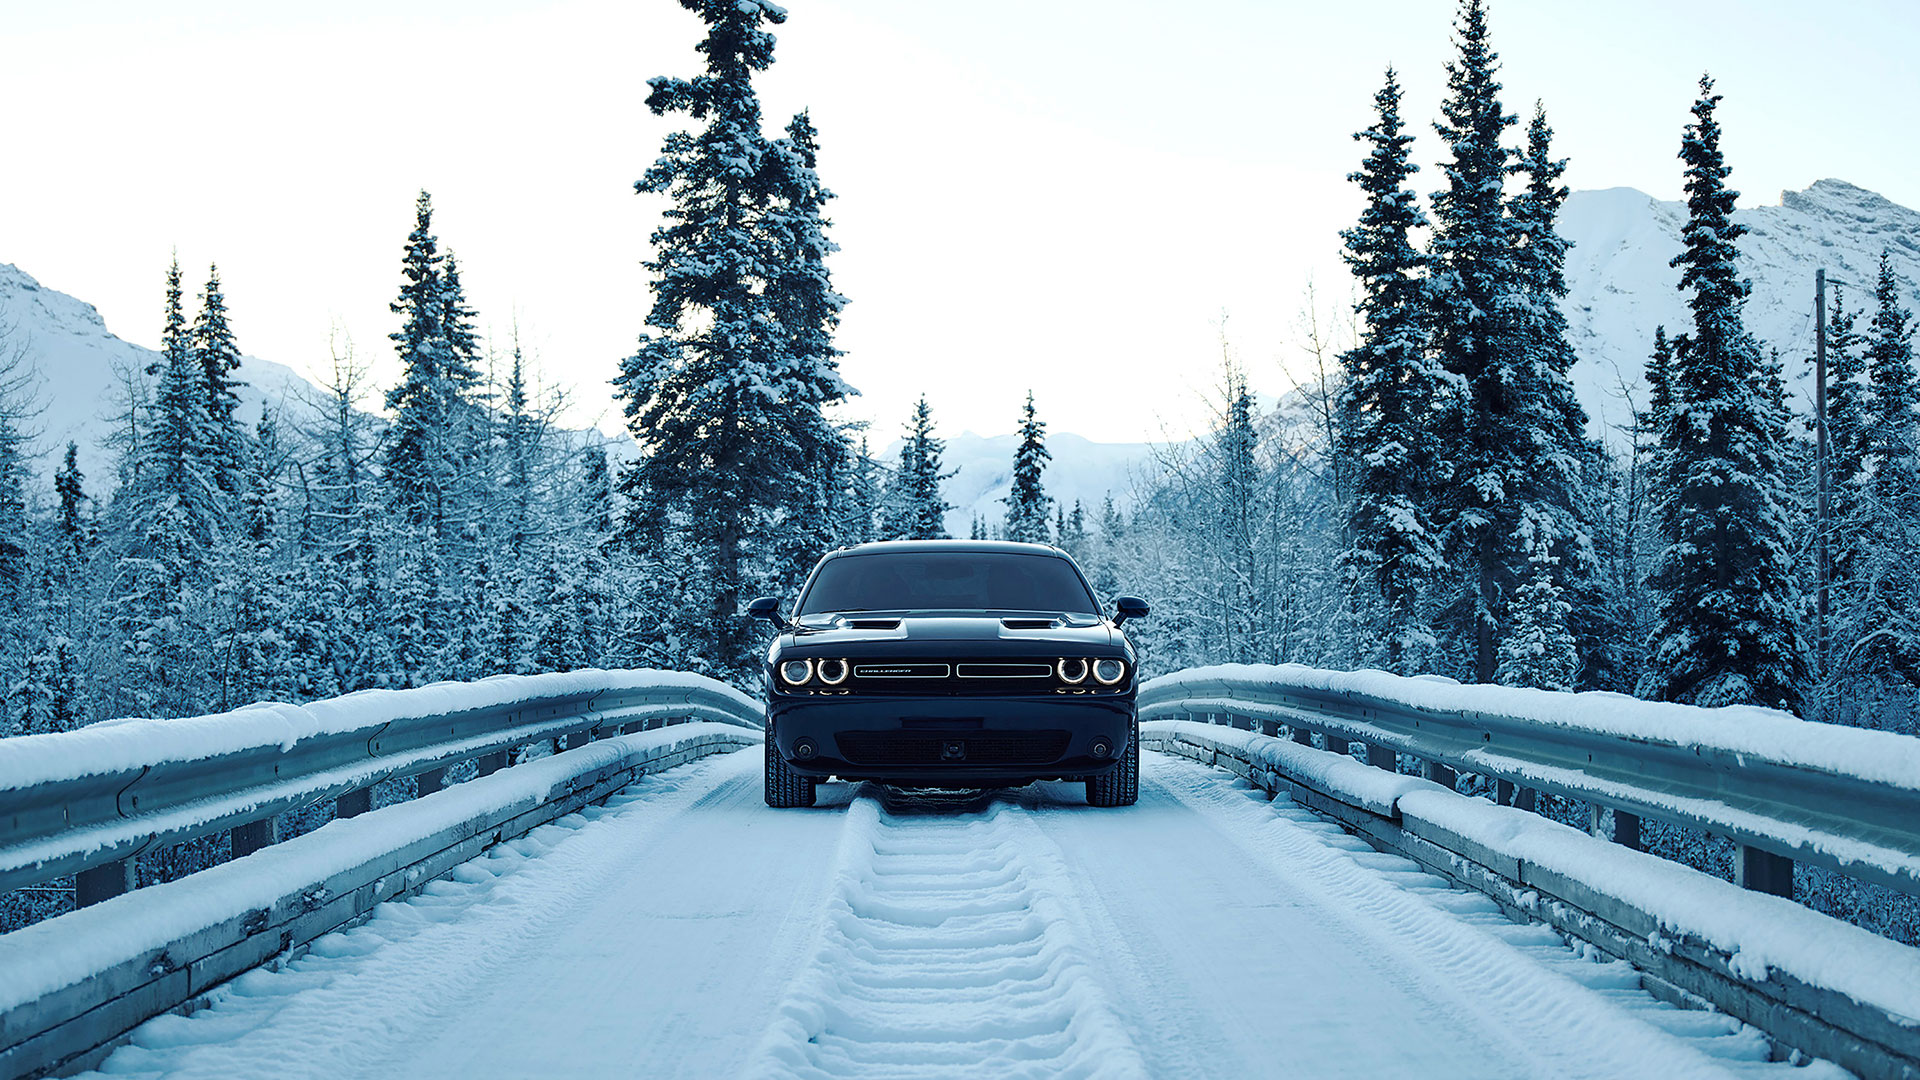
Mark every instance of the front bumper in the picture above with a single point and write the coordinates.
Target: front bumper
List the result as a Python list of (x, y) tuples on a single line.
[(950, 741)]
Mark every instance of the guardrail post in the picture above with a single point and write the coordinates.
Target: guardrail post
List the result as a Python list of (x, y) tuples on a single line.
[(102, 882), (488, 764), (576, 740), (254, 835), (1383, 757), (1439, 774), (353, 803), (1626, 833), (1335, 744), (1763, 871), (430, 781), (1503, 792), (1303, 736), (1270, 728), (1526, 798)]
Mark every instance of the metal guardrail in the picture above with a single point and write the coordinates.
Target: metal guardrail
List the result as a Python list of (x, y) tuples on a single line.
[(1838, 797), (88, 802)]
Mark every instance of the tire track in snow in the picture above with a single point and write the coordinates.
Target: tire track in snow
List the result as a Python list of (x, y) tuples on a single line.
[(1558, 1010), (946, 950)]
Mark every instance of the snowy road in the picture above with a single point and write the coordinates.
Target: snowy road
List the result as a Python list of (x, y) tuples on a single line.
[(687, 930)]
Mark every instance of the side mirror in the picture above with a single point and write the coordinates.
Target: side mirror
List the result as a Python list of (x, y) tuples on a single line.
[(768, 608), (1128, 607)]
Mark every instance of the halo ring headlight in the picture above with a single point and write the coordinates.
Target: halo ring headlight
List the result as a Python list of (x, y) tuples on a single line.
[(796, 672), (1107, 671), (834, 672), (1072, 669)]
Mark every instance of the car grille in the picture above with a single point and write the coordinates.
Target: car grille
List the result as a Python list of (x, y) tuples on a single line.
[(948, 677), (934, 748)]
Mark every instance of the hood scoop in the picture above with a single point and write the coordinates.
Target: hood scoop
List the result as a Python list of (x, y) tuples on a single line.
[(873, 624), (1030, 624)]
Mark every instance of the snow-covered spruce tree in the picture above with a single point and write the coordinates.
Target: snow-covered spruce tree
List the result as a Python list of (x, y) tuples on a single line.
[(254, 659), (1883, 637), (802, 294), (172, 525), (1070, 532), (915, 507), (219, 358), (1537, 649), (727, 414), (73, 532), (1392, 391), (1239, 526), (1027, 501), (417, 472), (469, 435), (1728, 604), (1559, 474), (1514, 442), (1474, 296), (861, 509), (15, 526)]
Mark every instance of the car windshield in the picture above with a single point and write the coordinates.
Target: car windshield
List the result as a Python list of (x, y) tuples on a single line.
[(947, 580)]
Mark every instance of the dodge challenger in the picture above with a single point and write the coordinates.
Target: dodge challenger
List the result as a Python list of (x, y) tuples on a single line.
[(950, 664)]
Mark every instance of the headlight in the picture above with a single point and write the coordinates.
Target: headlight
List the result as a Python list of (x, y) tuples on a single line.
[(795, 672), (833, 672), (1108, 672), (1072, 669)]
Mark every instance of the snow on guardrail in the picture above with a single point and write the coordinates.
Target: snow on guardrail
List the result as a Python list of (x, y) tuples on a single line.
[(1785, 789)]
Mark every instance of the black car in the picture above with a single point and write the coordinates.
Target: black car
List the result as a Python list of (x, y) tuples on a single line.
[(950, 663)]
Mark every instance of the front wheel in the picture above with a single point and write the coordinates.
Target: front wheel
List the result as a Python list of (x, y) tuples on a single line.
[(786, 789), (1119, 786)]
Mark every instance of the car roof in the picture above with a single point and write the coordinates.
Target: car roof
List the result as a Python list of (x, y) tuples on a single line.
[(902, 547)]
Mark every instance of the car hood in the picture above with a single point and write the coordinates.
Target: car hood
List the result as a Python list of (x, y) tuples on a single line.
[(891, 631)]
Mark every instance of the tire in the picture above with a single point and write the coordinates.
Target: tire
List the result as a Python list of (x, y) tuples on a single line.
[(786, 789), (1120, 786)]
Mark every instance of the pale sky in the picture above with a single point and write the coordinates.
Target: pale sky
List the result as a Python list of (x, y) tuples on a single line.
[(1053, 195)]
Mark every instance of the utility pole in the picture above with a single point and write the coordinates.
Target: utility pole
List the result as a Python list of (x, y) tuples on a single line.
[(1822, 568)]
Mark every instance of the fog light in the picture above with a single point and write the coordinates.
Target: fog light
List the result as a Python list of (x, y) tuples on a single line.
[(804, 749), (1101, 748)]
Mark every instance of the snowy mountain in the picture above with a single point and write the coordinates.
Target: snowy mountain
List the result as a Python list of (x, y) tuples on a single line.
[(1620, 286), (83, 370), (982, 467)]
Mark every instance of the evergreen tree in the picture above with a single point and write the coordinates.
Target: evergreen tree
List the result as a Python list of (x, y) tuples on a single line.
[(1072, 532), (162, 580), (1475, 292), (256, 665), (219, 357), (418, 472), (1390, 397), (1883, 632), (1728, 606), (1556, 471), (14, 524), (75, 535), (1027, 501), (727, 412), (1538, 650), (916, 509), (863, 498)]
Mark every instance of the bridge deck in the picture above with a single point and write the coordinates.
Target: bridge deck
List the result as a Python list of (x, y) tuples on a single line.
[(686, 930)]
